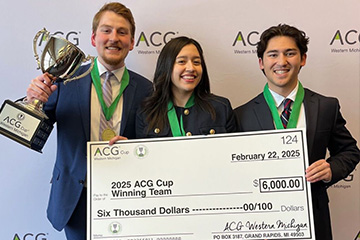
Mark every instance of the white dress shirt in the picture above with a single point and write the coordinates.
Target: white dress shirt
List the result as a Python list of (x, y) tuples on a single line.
[(280, 105), (96, 109)]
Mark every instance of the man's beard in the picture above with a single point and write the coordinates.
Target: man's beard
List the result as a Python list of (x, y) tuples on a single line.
[(113, 61)]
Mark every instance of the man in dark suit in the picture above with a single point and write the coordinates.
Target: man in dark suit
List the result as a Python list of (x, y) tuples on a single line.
[(79, 111), (282, 52)]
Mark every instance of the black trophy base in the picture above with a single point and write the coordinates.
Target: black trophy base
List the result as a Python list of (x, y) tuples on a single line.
[(24, 126)]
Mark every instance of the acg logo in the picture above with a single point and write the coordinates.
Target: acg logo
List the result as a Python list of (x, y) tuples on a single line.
[(71, 36), (251, 38), (350, 177), (12, 121), (155, 39), (107, 151), (30, 236), (350, 37)]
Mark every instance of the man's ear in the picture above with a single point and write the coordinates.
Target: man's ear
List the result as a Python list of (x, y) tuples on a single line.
[(93, 39)]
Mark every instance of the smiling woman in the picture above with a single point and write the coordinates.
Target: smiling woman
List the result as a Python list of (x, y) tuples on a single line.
[(182, 104), (186, 74)]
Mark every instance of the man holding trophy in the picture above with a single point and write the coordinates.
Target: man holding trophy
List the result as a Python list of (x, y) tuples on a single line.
[(96, 107)]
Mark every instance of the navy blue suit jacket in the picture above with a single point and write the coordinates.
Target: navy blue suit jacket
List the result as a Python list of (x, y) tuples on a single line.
[(69, 108), (325, 129), (196, 122)]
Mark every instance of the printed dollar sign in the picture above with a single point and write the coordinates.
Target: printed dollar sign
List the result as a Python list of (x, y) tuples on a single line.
[(256, 183)]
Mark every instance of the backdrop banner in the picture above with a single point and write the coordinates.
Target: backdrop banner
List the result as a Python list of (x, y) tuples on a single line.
[(228, 32)]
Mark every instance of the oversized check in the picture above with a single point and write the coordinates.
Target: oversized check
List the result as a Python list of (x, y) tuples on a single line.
[(231, 186)]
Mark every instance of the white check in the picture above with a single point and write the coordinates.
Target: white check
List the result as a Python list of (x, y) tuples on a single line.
[(231, 186)]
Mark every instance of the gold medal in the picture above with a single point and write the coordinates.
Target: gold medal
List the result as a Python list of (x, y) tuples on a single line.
[(108, 134)]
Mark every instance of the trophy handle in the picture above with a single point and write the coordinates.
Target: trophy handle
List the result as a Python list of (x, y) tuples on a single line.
[(45, 34), (88, 58)]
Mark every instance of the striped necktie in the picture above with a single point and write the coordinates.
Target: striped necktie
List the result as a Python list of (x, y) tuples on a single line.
[(285, 115), (107, 95)]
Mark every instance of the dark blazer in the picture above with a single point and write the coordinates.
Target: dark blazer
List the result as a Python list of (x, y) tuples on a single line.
[(69, 108), (196, 121), (325, 129)]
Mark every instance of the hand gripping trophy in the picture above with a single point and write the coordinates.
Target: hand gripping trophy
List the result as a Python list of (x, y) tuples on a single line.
[(25, 122)]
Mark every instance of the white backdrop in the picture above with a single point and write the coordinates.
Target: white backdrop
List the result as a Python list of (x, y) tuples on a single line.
[(227, 31)]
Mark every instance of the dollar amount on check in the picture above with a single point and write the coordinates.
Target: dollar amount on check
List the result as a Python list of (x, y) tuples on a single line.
[(231, 186)]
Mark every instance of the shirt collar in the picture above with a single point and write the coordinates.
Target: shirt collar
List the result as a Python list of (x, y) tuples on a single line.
[(279, 99), (118, 73)]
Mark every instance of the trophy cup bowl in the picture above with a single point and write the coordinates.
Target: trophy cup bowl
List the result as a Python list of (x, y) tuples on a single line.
[(25, 122)]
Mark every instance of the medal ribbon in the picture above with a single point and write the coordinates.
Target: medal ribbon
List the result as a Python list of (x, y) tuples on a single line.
[(295, 112), (176, 128), (95, 76)]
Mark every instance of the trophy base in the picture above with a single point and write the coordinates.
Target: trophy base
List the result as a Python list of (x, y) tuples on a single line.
[(24, 126)]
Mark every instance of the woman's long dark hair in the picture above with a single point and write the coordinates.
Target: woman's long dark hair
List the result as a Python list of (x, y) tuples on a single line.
[(155, 107)]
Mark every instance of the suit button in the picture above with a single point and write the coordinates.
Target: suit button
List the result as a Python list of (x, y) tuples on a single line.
[(82, 182), (212, 131), (186, 112), (188, 134), (156, 130)]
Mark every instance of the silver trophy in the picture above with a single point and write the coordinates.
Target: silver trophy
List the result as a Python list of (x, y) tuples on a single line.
[(25, 122)]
